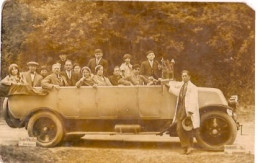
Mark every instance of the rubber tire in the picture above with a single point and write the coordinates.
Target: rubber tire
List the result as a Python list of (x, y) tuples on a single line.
[(57, 121), (231, 124), (10, 121)]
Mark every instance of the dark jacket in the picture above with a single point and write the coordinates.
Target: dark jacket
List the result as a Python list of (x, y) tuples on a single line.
[(74, 78), (92, 64), (118, 80), (148, 71)]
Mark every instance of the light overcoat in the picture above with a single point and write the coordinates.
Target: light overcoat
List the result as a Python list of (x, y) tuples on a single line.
[(191, 101)]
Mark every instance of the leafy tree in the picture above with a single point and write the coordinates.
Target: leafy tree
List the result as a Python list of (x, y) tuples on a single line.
[(213, 40)]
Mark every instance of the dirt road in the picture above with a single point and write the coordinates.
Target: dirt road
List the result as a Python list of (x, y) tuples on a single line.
[(119, 148)]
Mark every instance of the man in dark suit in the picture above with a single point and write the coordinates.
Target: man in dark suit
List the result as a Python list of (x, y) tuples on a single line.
[(98, 60), (31, 76), (71, 77), (150, 68)]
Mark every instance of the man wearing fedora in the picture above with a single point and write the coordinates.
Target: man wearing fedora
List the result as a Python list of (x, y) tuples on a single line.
[(98, 60), (187, 110), (31, 76), (150, 67)]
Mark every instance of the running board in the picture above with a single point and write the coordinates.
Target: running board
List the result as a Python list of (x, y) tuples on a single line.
[(111, 133)]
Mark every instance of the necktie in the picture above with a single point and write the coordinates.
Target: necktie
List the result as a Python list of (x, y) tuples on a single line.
[(183, 91)]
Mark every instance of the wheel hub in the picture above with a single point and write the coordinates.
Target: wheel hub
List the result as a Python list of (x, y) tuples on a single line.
[(214, 131), (45, 129)]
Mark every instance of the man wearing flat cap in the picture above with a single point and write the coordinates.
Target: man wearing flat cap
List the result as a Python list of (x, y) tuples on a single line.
[(31, 76), (98, 60), (150, 67)]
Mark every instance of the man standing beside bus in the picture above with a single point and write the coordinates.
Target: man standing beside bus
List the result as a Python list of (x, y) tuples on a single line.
[(186, 107)]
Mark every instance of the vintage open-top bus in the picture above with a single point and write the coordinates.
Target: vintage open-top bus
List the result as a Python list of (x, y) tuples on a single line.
[(70, 112)]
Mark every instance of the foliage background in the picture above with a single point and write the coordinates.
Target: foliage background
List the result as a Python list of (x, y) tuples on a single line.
[(215, 41)]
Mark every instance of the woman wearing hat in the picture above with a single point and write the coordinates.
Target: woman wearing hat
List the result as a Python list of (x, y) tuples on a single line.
[(14, 77), (126, 67), (15, 83), (99, 78), (87, 78), (11, 84)]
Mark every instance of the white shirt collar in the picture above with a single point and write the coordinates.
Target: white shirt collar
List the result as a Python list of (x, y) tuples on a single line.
[(68, 73), (98, 60), (32, 76)]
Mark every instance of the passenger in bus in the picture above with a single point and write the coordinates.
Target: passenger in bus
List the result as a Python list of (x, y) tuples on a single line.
[(44, 71), (76, 68), (54, 80), (126, 67), (98, 60), (150, 67), (87, 78), (136, 78), (62, 59), (99, 78), (15, 84), (70, 76), (117, 79), (14, 76), (32, 77)]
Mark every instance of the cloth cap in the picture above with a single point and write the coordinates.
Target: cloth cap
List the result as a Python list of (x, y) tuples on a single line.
[(136, 66), (148, 52), (85, 68), (98, 51), (32, 63), (98, 67), (127, 56), (12, 66), (44, 68)]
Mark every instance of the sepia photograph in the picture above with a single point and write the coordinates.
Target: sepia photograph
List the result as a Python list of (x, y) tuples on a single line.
[(127, 81)]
